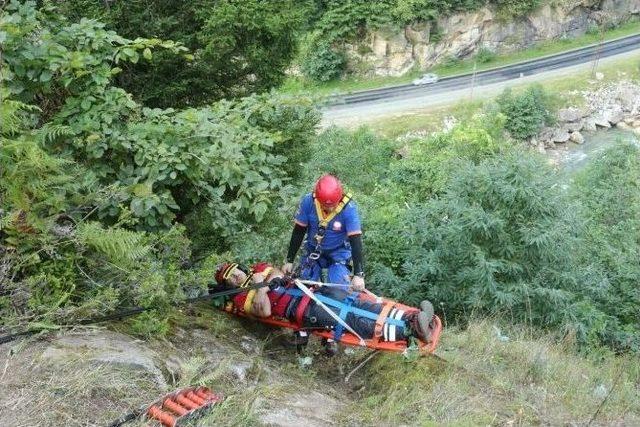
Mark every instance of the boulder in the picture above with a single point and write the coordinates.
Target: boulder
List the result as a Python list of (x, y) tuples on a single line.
[(560, 135), (628, 97), (570, 114), (105, 347), (590, 125), (546, 134), (312, 409), (573, 126), (576, 137), (614, 114), (623, 126), (600, 120)]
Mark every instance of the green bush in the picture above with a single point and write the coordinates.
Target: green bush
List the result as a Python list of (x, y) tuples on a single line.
[(509, 9), (323, 63), (526, 113), (499, 239), (608, 193), (236, 48), (485, 55), (451, 61), (94, 186), (433, 161), (337, 151)]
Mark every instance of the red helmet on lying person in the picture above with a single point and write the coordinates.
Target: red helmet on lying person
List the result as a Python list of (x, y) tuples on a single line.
[(226, 271), (328, 190)]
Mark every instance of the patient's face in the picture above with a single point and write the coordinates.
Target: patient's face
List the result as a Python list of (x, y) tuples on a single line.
[(237, 277)]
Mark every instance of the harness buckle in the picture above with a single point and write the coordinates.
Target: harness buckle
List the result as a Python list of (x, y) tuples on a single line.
[(314, 256)]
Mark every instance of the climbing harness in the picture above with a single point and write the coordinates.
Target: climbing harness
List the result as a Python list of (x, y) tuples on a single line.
[(323, 222)]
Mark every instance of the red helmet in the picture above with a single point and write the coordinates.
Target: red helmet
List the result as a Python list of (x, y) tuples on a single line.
[(328, 190)]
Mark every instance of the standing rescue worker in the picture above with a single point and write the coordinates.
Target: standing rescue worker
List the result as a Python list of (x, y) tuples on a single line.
[(330, 220)]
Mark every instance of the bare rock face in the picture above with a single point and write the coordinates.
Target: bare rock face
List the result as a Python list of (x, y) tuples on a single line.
[(312, 409), (105, 347), (394, 51)]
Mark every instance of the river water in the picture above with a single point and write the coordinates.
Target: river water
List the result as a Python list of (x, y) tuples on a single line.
[(574, 157)]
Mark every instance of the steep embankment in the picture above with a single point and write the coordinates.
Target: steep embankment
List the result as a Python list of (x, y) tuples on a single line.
[(486, 376)]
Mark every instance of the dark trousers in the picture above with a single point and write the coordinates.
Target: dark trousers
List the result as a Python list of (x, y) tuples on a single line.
[(317, 317)]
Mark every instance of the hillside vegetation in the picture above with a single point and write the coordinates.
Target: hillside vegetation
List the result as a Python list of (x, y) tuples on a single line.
[(108, 202)]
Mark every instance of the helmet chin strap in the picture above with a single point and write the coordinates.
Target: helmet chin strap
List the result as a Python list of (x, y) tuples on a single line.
[(247, 281)]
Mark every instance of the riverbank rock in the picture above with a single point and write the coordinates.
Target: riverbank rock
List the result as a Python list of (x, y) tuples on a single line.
[(577, 138), (573, 126), (570, 114), (560, 135)]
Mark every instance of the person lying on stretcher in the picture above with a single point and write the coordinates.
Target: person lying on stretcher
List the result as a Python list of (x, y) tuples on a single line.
[(282, 299)]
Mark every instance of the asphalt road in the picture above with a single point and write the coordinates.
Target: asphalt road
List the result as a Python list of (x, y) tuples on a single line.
[(398, 98)]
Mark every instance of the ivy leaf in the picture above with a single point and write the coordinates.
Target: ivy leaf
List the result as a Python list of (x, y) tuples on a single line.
[(137, 207), (45, 76), (146, 53)]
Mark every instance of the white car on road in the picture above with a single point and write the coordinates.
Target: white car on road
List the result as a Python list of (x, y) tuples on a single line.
[(425, 79)]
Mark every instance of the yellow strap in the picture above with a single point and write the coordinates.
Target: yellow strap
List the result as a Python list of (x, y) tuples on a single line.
[(324, 221), (248, 303), (228, 270)]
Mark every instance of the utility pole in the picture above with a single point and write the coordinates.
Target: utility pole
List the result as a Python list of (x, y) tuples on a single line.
[(596, 56)]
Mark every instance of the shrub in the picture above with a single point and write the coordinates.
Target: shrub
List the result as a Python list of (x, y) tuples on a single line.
[(500, 238), (525, 113), (485, 55), (323, 63), (509, 9), (608, 192), (434, 160)]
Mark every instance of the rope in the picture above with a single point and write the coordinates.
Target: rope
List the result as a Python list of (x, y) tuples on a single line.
[(130, 312)]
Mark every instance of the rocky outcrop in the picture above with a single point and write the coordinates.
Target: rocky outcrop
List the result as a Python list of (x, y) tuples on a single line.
[(616, 104), (93, 376), (393, 51)]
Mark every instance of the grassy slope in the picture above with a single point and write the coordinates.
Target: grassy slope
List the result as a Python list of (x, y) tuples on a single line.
[(297, 85), (527, 379)]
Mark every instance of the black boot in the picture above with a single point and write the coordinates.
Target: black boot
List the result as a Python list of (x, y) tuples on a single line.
[(420, 325), (427, 307), (330, 347), (301, 339)]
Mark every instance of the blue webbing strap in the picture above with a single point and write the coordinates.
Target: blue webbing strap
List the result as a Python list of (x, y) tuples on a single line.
[(355, 310), (344, 310)]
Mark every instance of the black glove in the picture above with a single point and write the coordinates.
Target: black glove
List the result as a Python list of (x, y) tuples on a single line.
[(277, 282)]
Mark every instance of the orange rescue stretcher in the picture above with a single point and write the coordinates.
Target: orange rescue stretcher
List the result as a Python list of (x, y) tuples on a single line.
[(347, 338)]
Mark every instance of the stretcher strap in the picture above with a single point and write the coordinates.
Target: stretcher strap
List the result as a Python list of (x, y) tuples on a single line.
[(383, 318), (344, 311), (355, 310), (248, 302), (302, 306)]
